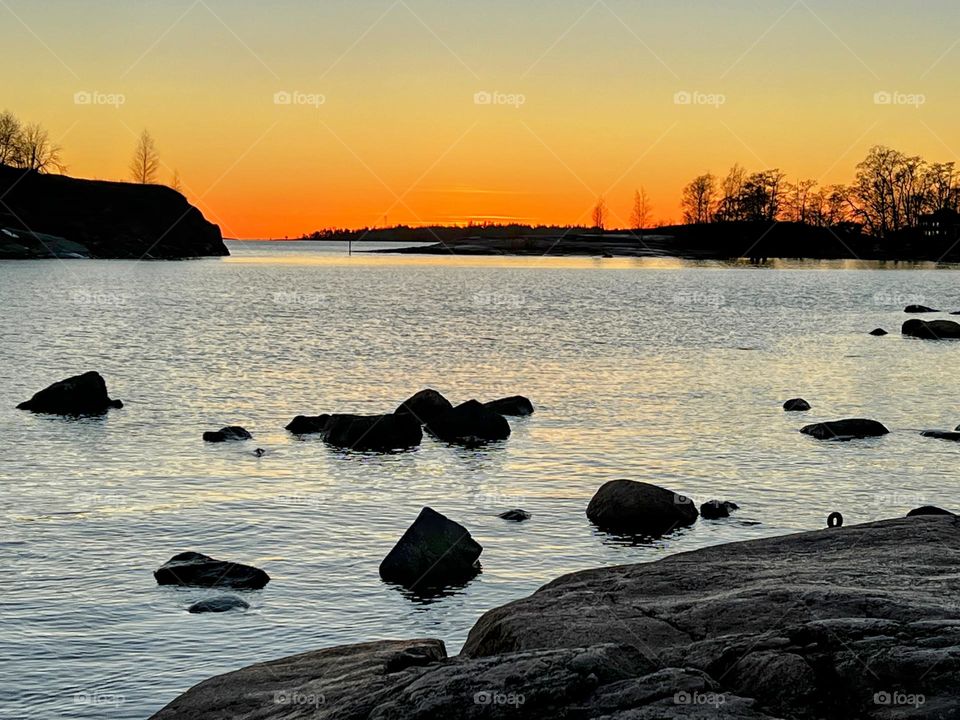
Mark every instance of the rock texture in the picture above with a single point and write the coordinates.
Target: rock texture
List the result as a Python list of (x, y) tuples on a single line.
[(515, 405), (100, 219), (829, 625), (849, 429), (198, 570), (84, 394), (636, 508), (932, 329)]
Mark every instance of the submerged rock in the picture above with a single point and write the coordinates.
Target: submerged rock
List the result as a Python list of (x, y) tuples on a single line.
[(307, 425), (232, 432), (637, 508), (425, 406), (516, 406), (84, 394), (845, 429), (879, 332), (224, 603), (516, 515), (796, 405), (197, 570), (714, 509), (928, 510), (469, 423), (373, 433), (942, 435), (434, 552), (919, 309), (932, 329)]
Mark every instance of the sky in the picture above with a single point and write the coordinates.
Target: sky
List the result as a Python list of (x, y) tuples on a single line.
[(286, 117)]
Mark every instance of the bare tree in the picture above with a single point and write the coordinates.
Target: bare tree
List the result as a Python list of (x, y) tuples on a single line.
[(599, 214), (801, 200), (10, 139), (175, 183), (145, 162), (698, 199), (730, 207), (642, 208), (37, 151)]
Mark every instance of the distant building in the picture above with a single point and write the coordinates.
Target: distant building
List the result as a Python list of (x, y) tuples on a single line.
[(942, 224)]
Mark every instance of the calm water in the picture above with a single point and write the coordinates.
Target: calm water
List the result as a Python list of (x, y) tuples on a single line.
[(660, 371)]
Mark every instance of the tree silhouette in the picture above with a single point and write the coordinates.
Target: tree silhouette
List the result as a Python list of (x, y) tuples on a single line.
[(698, 199), (37, 151), (145, 162), (640, 215), (599, 214)]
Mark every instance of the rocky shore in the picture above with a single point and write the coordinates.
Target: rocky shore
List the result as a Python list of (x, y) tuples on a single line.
[(854, 622)]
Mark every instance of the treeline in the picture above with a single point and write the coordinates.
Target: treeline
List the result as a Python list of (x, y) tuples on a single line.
[(440, 233), (890, 193), (27, 146)]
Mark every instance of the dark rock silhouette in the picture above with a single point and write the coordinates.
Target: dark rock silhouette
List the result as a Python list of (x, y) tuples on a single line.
[(516, 515), (928, 510), (374, 433), (425, 406), (942, 435), (637, 508), (879, 332), (223, 603), (308, 425), (849, 429), (195, 569), (232, 432), (100, 219), (434, 552), (714, 509), (796, 405), (919, 309), (84, 394), (469, 423), (259, 452), (515, 406), (931, 329)]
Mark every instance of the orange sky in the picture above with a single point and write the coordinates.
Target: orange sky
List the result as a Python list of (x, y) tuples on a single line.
[(384, 117)]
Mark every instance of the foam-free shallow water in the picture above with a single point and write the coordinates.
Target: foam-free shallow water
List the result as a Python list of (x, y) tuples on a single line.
[(662, 371)]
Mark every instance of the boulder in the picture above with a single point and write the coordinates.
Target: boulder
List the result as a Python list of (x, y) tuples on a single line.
[(928, 510), (308, 425), (637, 508), (373, 433), (232, 432), (425, 406), (796, 405), (845, 429), (469, 423), (223, 603), (919, 309), (515, 405), (932, 329), (878, 332), (516, 515), (197, 570), (84, 394), (434, 552), (942, 434), (714, 509)]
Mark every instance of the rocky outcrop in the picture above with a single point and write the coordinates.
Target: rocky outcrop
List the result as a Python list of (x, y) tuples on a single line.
[(373, 433), (636, 508), (469, 423), (932, 329), (515, 406), (848, 429), (100, 219), (84, 394), (224, 603), (434, 552), (308, 425), (827, 625), (232, 432), (715, 509), (425, 406), (796, 405), (197, 570)]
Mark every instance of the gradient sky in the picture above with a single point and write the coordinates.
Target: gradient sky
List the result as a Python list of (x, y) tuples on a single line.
[(399, 134)]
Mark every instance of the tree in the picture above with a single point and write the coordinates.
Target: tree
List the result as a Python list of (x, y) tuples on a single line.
[(175, 183), (599, 214), (10, 139), (730, 207), (640, 215), (698, 199), (146, 162), (37, 151), (801, 200)]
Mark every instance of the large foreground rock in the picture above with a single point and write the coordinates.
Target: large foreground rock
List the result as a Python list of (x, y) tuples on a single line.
[(828, 625), (470, 423), (932, 329), (433, 553), (376, 433), (198, 570), (849, 429), (425, 406), (84, 394), (638, 508)]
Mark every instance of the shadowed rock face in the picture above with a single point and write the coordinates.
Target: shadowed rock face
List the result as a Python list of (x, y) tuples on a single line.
[(108, 219), (635, 508), (821, 625), (932, 329), (84, 394), (849, 429)]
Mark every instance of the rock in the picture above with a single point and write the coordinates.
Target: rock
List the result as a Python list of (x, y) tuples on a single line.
[(232, 432), (306, 425), (516, 406), (928, 510), (932, 329), (878, 332), (845, 429), (23, 244), (259, 452), (516, 515), (638, 508), (84, 394), (469, 423), (373, 433), (425, 406), (224, 603), (796, 405), (919, 309), (434, 552), (714, 509), (942, 434), (194, 569)]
